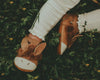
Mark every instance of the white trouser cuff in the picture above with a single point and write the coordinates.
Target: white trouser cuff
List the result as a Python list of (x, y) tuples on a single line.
[(49, 15), (92, 20)]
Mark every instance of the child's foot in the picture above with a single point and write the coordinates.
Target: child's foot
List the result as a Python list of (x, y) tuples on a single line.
[(29, 54), (69, 32)]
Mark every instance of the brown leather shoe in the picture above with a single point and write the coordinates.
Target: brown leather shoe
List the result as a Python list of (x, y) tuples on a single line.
[(29, 54), (27, 61), (69, 32)]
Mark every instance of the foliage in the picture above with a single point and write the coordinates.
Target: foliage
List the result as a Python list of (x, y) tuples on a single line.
[(80, 62)]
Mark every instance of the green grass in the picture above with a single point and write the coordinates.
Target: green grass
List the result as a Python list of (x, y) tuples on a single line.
[(80, 62)]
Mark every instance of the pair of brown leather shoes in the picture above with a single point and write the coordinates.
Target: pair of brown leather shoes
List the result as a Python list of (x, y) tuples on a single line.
[(31, 47)]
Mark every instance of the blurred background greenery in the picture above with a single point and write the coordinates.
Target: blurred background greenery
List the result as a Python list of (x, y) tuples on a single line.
[(80, 62)]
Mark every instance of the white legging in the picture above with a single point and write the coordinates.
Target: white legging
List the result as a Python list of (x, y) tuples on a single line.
[(53, 10), (49, 15), (92, 20)]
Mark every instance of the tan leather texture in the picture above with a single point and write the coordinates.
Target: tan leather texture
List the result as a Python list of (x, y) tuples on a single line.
[(68, 30), (31, 50)]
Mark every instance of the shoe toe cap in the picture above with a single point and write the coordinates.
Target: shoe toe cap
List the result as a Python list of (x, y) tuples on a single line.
[(24, 64)]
